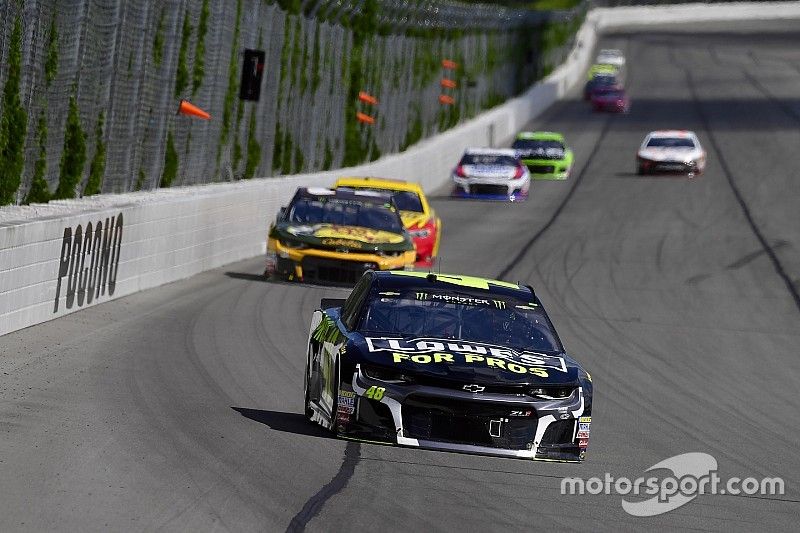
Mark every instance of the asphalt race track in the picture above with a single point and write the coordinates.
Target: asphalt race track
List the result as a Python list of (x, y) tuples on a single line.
[(179, 408)]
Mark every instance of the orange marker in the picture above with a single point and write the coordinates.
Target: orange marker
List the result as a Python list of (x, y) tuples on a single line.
[(449, 64), (366, 119), (367, 98), (191, 110), (446, 100), (448, 83)]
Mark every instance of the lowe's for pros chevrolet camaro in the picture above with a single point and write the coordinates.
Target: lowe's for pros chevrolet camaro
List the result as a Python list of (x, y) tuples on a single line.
[(335, 236), (446, 362)]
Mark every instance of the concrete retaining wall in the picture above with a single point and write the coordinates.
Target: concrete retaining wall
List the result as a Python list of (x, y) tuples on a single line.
[(64, 256)]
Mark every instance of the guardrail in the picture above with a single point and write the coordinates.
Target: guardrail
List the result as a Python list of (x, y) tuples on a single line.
[(67, 255)]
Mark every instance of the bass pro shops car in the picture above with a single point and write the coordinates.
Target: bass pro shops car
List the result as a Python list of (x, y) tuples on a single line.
[(446, 362), (491, 174), (544, 153), (335, 236), (418, 216)]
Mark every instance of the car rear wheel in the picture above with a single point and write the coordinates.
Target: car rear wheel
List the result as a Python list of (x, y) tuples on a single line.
[(640, 170)]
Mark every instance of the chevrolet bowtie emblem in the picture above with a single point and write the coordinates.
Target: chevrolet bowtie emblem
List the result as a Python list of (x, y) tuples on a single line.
[(474, 388)]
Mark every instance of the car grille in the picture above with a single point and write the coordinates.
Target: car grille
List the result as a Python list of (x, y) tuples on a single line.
[(542, 169), (484, 188), (334, 270), (459, 385), (673, 166), (464, 422)]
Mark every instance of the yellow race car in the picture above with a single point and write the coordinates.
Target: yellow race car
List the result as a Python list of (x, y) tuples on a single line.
[(418, 216), (332, 236)]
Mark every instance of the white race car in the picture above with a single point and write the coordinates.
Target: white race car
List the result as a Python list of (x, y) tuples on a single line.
[(671, 151), (491, 174), (611, 56)]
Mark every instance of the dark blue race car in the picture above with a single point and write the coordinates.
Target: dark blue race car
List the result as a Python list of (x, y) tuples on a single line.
[(446, 362)]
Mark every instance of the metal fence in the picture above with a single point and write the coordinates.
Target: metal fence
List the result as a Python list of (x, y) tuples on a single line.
[(122, 61)]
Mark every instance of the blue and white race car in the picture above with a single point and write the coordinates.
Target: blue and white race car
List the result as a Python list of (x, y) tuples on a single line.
[(491, 174)]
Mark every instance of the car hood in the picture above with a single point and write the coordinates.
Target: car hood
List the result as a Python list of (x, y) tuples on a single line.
[(669, 153), (469, 362), (541, 153), (336, 236)]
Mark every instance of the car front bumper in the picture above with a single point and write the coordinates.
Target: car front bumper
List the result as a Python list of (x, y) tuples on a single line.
[(506, 425), (547, 169), (491, 189), (329, 266)]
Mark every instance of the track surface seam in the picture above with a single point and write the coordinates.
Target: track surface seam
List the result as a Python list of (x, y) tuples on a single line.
[(527, 246), (769, 250)]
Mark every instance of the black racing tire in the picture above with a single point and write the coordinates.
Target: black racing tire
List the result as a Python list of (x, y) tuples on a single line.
[(640, 170), (307, 388), (338, 383)]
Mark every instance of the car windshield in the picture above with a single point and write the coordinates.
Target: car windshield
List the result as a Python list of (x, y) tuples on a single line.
[(604, 80), (403, 200), (489, 159), (502, 321), (345, 213), (533, 144), (670, 142)]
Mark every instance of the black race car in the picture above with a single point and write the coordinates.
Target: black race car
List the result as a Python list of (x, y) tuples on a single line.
[(446, 362)]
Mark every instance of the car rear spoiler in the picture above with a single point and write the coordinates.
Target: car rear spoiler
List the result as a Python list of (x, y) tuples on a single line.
[(328, 303)]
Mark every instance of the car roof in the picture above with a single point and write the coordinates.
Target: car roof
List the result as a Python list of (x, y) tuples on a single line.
[(540, 136), (405, 279), (490, 151), (374, 197), (680, 134), (369, 182)]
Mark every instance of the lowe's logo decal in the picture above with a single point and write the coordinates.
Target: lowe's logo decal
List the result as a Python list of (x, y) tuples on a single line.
[(89, 261)]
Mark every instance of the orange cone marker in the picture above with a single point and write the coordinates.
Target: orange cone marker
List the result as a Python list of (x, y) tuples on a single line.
[(191, 110)]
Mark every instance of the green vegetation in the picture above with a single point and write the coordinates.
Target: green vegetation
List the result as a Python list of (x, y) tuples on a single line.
[(552, 5), (414, 132), (327, 161), (73, 156), (140, 181), (233, 64), (253, 150), (13, 121), (51, 57), (182, 74), (237, 146), (291, 6), (39, 192), (158, 40), (277, 147), (299, 160), (170, 163), (286, 160), (364, 24), (315, 62), (200, 48), (97, 168)]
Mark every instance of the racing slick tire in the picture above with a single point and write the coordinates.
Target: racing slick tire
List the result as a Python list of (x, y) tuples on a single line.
[(640, 170), (306, 389)]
